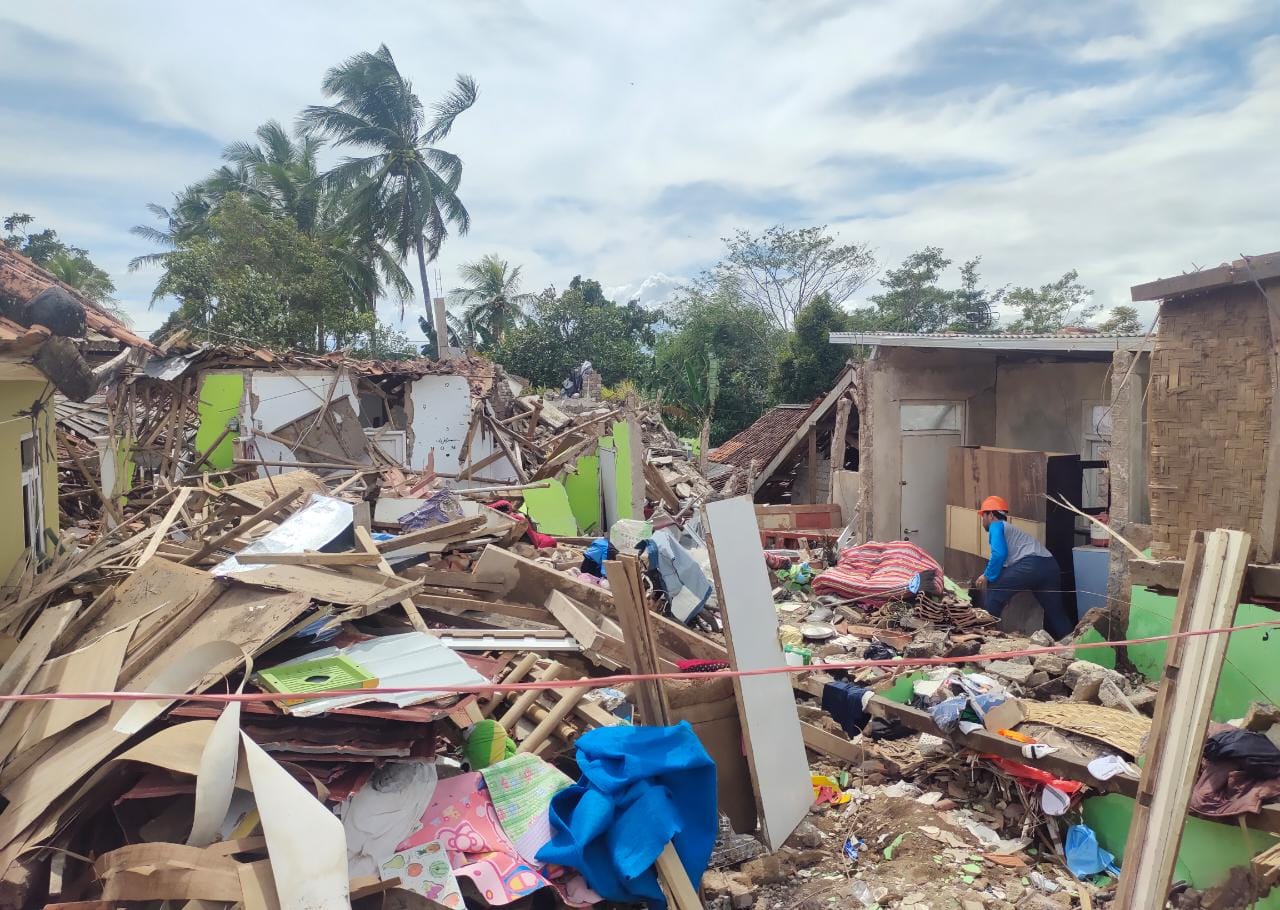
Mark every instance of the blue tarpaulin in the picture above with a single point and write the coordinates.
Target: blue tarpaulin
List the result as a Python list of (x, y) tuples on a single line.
[(640, 788)]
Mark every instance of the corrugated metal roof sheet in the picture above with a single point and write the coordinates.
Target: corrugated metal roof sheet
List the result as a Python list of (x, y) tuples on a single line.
[(1045, 341), (761, 441)]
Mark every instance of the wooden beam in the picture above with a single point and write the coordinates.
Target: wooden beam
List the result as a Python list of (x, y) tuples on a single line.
[(1208, 598), (1269, 527), (637, 635), (460, 527), (837, 748), (162, 529), (838, 437), (266, 513), (842, 383), (1262, 581), (811, 464), (365, 540)]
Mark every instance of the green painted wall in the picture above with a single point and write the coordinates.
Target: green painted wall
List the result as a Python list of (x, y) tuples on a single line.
[(1248, 674), (1207, 851), (583, 488), (548, 509), (625, 467), (16, 396), (221, 395)]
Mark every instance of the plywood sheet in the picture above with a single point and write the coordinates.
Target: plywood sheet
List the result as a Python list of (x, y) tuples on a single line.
[(767, 706)]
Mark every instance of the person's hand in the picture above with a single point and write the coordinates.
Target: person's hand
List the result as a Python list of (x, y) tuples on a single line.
[(980, 582)]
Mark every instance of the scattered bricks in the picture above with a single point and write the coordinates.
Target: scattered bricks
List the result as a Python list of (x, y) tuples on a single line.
[(727, 891), (1110, 696), (1086, 678), (771, 869), (1053, 664), (1261, 717), (1010, 671), (1038, 679), (1042, 639), (967, 904), (1144, 699), (929, 643)]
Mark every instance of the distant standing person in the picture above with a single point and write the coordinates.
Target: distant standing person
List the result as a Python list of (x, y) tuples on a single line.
[(1019, 562)]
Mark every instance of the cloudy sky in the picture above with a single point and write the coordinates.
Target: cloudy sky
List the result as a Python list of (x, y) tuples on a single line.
[(1129, 140)]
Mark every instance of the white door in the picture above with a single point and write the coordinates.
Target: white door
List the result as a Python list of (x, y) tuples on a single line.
[(929, 431)]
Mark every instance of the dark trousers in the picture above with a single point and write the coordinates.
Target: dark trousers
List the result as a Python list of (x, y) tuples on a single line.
[(1041, 576)]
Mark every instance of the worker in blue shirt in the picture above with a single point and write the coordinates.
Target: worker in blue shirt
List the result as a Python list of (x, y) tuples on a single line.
[(1019, 562)]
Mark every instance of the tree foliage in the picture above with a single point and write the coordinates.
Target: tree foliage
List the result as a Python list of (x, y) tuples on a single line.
[(1123, 319), (913, 300), (973, 307), (722, 331), (781, 269), (255, 277), (402, 187), (576, 325), (1053, 306), (809, 363), (69, 264), (492, 301)]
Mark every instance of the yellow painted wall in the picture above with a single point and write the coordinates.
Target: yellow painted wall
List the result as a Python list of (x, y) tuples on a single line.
[(15, 396)]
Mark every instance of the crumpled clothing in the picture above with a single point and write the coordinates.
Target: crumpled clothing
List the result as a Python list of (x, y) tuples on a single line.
[(1234, 777), (641, 788), (846, 703), (878, 650)]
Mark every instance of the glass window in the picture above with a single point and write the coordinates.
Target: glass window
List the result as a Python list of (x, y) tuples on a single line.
[(28, 446), (945, 417)]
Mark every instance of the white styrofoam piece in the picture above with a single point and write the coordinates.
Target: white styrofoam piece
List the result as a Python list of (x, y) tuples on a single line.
[(439, 416), (766, 704)]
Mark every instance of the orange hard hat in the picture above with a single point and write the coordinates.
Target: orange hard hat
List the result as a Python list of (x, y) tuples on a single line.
[(994, 504)]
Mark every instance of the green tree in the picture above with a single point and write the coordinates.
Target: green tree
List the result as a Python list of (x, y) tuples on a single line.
[(1051, 307), (69, 264), (723, 330), (278, 175), (973, 306), (405, 189), (1124, 320), (781, 269), (492, 300), (912, 300), (577, 325), (254, 277), (810, 363)]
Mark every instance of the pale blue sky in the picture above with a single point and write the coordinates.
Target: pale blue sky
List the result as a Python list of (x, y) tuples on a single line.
[(1129, 140)]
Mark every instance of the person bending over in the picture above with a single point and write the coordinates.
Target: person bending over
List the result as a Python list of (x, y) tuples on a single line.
[(1019, 562)]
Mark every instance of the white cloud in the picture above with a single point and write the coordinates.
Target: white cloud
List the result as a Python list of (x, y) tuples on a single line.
[(593, 116)]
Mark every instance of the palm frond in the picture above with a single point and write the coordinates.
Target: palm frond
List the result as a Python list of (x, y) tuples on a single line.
[(462, 97)]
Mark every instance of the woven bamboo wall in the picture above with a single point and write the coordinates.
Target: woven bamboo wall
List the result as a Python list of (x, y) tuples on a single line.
[(1209, 416)]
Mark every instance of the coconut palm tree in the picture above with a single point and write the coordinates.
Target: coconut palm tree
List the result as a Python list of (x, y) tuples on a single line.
[(493, 301), (184, 219), (404, 186)]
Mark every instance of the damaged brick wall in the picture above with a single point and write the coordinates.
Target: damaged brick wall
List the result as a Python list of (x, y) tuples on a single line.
[(1209, 416)]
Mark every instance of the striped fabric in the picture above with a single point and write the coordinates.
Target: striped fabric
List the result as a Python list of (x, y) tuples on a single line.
[(877, 571)]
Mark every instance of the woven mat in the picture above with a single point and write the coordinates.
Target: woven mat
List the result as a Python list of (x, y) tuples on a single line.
[(1120, 729)]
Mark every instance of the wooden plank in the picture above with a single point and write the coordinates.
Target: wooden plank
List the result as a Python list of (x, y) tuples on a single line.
[(766, 705), (22, 664), (1208, 598), (811, 465), (637, 636), (162, 529), (838, 441), (517, 674), (837, 748), (266, 513), (329, 586), (684, 896), (365, 540), (476, 605), (459, 528)]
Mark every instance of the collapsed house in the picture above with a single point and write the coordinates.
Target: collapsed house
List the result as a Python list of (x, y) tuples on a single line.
[(46, 330), (425, 651)]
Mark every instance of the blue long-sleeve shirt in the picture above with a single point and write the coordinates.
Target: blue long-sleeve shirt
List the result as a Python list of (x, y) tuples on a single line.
[(999, 550)]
